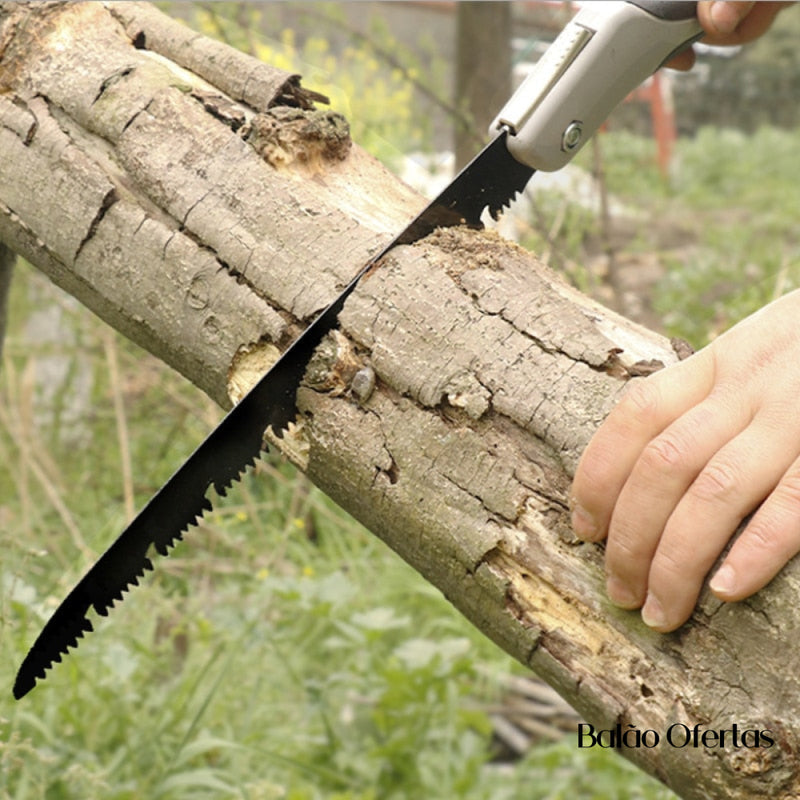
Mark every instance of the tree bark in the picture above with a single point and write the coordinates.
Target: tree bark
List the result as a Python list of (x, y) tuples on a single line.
[(192, 198)]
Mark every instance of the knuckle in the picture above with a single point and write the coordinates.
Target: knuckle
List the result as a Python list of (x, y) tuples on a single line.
[(591, 485), (775, 529), (787, 492), (664, 454), (769, 542), (622, 550), (640, 400), (717, 482), (669, 563), (674, 570), (760, 536), (627, 551)]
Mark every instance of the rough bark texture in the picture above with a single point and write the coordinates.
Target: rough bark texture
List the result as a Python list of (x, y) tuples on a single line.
[(210, 223), (123, 178)]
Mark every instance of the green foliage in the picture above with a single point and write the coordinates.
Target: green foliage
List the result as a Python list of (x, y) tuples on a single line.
[(744, 192), (723, 167), (629, 165), (556, 219), (723, 226), (755, 87), (562, 772)]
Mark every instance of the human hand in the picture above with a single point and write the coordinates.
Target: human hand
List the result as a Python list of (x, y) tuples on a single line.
[(729, 22), (686, 454)]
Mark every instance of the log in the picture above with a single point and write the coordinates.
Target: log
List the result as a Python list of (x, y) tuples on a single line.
[(209, 213)]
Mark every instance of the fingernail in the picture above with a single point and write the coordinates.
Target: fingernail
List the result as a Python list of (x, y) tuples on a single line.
[(653, 614), (724, 17), (619, 593), (724, 582), (583, 523)]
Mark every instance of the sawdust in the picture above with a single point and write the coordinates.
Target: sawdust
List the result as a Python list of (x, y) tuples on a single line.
[(473, 249)]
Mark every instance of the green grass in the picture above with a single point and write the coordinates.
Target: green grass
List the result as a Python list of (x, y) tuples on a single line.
[(744, 192), (733, 197), (722, 225)]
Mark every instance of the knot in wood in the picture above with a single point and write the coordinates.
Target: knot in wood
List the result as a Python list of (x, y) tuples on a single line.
[(333, 365)]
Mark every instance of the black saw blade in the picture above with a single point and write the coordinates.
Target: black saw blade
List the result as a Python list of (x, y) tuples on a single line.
[(490, 181)]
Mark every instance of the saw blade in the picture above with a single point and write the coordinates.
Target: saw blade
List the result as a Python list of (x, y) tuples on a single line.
[(490, 181)]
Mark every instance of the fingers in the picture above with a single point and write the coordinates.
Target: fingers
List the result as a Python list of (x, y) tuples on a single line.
[(771, 538), (678, 463), (721, 19), (685, 456), (728, 22), (684, 61), (645, 410), (672, 466), (735, 480), (669, 476)]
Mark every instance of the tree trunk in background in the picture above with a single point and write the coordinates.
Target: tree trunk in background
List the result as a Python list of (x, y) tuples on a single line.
[(192, 198), (483, 69)]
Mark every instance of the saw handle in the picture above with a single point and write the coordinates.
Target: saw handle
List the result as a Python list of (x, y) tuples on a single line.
[(602, 55), (668, 9)]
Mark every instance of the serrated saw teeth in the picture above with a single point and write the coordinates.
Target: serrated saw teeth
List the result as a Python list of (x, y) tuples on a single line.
[(488, 181), (162, 548)]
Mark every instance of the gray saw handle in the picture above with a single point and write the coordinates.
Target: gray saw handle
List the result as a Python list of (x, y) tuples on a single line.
[(602, 54), (668, 9)]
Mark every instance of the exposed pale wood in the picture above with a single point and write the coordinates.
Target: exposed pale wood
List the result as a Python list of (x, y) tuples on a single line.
[(449, 411)]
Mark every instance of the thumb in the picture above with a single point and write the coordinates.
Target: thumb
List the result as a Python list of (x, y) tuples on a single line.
[(724, 16)]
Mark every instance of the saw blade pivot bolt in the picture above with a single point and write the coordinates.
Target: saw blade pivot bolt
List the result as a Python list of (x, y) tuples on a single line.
[(572, 136)]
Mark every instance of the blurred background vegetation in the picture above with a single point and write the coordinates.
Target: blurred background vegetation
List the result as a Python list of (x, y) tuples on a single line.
[(283, 651)]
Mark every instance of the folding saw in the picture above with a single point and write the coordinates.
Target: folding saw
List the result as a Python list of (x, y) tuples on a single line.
[(601, 55)]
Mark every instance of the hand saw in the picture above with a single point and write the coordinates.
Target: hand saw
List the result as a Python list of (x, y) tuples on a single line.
[(601, 55)]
